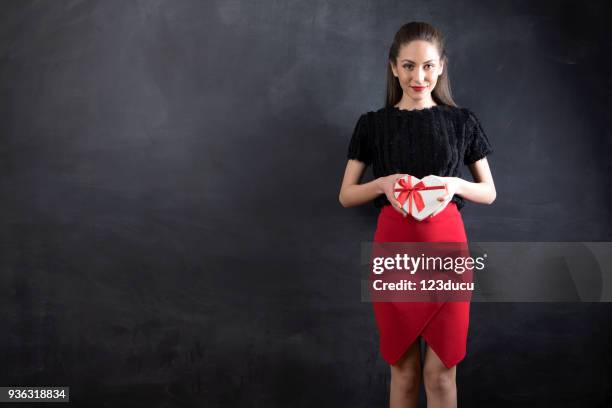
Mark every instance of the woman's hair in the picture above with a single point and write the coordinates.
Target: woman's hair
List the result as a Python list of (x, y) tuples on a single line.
[(419, 31)]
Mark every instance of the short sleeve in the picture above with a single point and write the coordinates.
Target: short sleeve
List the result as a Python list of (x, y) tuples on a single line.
[(477, 142), (360, 147)]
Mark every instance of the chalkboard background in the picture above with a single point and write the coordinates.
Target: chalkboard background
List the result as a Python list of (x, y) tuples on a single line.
[(169, 174)]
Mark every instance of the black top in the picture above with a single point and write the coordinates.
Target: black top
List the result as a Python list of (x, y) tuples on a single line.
[(420, 142)]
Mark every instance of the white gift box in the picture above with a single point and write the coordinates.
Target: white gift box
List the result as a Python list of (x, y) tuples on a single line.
[(420, 196)]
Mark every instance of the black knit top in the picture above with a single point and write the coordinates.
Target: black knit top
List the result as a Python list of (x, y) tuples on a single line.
[(436, 140)]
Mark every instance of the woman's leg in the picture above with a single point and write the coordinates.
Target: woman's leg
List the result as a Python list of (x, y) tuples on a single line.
[(406, 379), (440, 382)]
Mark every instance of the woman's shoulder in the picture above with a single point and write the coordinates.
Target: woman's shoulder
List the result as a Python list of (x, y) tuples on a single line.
[(469, 117)]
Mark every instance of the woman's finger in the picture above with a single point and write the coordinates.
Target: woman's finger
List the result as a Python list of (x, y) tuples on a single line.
[(401, 207), (398, 207)]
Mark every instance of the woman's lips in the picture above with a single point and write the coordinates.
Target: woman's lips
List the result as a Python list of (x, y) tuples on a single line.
[(418, 88)]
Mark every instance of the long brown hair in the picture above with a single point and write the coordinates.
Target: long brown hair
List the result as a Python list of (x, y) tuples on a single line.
[(417, 30)]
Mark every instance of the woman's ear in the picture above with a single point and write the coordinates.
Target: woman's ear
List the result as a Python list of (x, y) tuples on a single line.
[(441, 70), (392, 65)]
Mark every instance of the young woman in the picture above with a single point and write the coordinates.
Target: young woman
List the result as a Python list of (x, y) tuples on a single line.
[(420, 131)]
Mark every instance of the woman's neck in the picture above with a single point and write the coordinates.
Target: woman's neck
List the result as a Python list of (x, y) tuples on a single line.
[(410, 104)]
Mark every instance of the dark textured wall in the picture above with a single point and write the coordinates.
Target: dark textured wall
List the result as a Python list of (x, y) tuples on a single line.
[(169, 173)]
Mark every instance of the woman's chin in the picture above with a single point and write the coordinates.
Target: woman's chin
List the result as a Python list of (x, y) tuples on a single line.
[(419, 96)]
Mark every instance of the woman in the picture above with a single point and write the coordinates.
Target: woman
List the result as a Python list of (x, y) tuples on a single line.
[(421, 131)]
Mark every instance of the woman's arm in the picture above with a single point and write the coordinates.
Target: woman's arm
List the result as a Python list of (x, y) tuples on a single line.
[(481, 191), (352, 193)]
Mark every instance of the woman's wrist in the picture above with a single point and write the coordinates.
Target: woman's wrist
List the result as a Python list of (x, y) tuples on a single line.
[(379, 185), (460, 185)]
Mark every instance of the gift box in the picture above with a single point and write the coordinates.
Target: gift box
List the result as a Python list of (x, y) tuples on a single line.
[(419, 197)]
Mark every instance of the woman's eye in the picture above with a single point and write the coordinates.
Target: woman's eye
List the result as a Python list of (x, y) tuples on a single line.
[(410, 66)]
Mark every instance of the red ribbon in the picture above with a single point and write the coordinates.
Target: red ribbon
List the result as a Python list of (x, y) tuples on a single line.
[(412, 193)]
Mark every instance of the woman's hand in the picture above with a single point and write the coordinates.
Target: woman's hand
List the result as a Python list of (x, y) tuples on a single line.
[(452, 186), (387, 185)]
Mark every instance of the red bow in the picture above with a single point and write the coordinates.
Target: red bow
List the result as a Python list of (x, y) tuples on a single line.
[(410, 193)]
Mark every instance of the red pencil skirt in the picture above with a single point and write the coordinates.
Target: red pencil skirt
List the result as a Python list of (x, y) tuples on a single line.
[(443, 325)]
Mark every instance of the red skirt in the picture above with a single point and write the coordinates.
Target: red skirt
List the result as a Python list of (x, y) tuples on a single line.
[(443, 325)]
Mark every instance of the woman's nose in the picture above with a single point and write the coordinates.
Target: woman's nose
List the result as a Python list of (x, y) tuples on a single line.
[(419, 75)]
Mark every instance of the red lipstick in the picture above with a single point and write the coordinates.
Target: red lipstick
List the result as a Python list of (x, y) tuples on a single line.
[(418, 88)]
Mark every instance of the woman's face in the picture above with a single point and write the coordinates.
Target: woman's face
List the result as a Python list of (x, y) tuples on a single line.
[(418, 68)]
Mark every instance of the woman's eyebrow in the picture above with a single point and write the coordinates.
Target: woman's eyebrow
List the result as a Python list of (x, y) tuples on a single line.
[(407, 60)]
